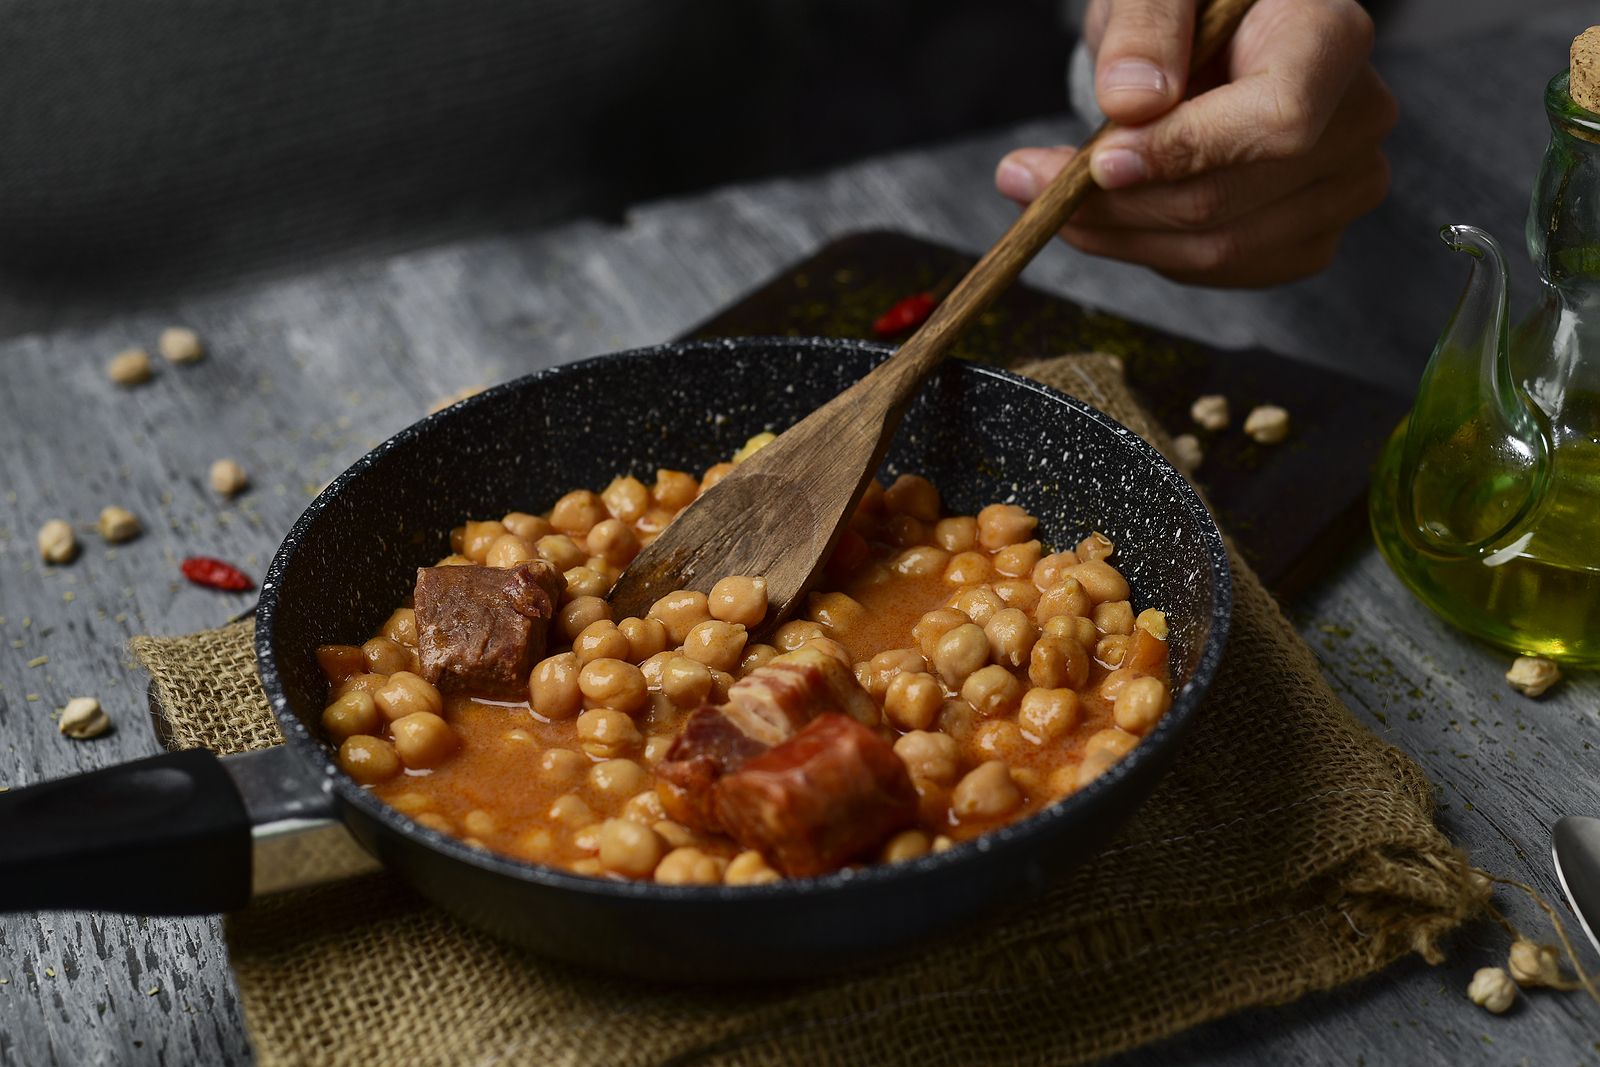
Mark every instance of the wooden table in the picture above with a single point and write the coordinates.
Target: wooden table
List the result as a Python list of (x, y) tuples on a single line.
[(308, 371)]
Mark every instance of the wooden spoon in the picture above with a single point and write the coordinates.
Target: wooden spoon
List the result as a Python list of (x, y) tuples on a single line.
[(780, 512)]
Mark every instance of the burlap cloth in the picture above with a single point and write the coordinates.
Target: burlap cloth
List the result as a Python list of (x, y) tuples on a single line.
[(1288, 851)]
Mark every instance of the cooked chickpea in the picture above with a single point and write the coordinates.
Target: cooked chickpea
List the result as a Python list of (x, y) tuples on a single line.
[(882, 668), (1077, 627), (914, 495), (561, 766), (613, 541), (363, 683), (629, 849), (1058, 663), (1101, 752), (601, 639), (675, 834), (1154, 622), (477, 537), (351, 714), (577, 512), (686, 682), (933, 756), (385, 655), (406, 694), (714, 474), (1141, 704), (749, 868), (645, 637), (912, 701), (675, 490), (656, 747), (553, 687), (509, 550), (756, 657), (455, 560), (716, 644), (1100, 580), (1066, 597), (1018, 560), (999, 739), (828, 647), (902, 531), (1000, 525), (571, 811), (1111, 649), (1049, 571), (739, 599), (1114, 617), (680, 612), (906, 845), (791, 635), (934, 625), (613, 683), (423, 740), (644, 808), (560, 551), (1097, 546), (920, 560), (968, 568), (956, 534), (410, 803), (721, 682), (992, 690), (978, 603), (479, 823), (1047, 714), (1011, 637), (987, 792), (606, 733), (579, 613), (434, 821), (616, 778), (1017, 593), (960, 652), (341, 661), (834, 610), (402, 627), (528, 527), (689, 866), (626, 498), (1112, 685), (587, 581)]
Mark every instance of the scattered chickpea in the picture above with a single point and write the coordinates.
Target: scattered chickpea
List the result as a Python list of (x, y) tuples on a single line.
[(714, 474), (886, 665), (479, 823), (645, 637), (792, 635), (579, 613), (1114, 617), (754, 445), (587, 581), (992, 691), (680, 612), (57, 543), (350, 714), (1058, 663), (739, 599), (756, 656), (686, 682), (228, 478), (627, 848), (1187, 455), (386, 656), (509, 550), (1492, 990), (1210, 412), (1533, 964), (957, 534), (1076, 627), (906, 845), (1111, 649), (1018, 560), (423, 739), (1529, 675), (601, 639), (553, 689), (912, 700), (368, 759), (828, 647), (644, 807), (968, 568), (617, 778), (903, 531), (560, 551), (179, 344), (131, 366), (929, 755), (570, 811), (1065, 597), (1046, 714), (749, 868), (626, 498), (528, 527), (689, 866), (1100, 580), (914, 495), (1153, 621), (405, 694), (83, 718), (1000, 525), (117, 525), (613, 683), (1011, 637), (933, 625), (675, 490), (987, 792), (606, 733), (716, 644), (960, 652), (613, 541), (1267, 424), (978, 603), (676, 835), (401, 626), (1141, 704), (561, 766), (577, 512)]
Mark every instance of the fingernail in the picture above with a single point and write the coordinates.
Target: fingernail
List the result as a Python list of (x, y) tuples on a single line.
[(1015, 181), (1113, 168), (1133, 75)]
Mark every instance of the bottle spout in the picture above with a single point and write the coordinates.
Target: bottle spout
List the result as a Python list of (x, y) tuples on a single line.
[(1476, 454)]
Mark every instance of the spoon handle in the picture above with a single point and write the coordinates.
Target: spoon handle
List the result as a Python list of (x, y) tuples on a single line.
[(899, 376)]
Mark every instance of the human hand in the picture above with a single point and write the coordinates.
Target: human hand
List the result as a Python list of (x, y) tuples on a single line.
[(1251, 178)]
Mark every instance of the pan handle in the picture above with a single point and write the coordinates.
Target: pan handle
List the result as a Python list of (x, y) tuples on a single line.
[(168, 835)]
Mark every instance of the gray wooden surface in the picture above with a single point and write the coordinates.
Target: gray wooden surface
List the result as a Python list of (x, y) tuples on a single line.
[(309, 370)]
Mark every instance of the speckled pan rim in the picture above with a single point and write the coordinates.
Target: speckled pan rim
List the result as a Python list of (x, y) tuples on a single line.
[(1014, 836)]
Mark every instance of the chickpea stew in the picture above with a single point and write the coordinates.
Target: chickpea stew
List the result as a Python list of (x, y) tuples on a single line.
[(953, 676)]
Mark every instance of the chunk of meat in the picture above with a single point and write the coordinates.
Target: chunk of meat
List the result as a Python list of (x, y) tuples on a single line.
[(481, 630), (824, 797), (709, 747), (774, 701)]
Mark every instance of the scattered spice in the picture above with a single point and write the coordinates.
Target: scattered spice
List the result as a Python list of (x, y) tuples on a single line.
[(118, 524), (57, 542), (1532, 675), (130, 367), (1186, 452), (216, 574), (38, 661), (1210, 412), (179, 344), (905, 315), (1267, 424), (83, 718), (1492, 990), (228, 478)]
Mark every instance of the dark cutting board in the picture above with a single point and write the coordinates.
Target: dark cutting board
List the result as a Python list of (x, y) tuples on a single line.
[(1293, 508)]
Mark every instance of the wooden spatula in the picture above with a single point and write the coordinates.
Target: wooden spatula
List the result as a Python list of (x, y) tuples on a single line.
[(779, 513)]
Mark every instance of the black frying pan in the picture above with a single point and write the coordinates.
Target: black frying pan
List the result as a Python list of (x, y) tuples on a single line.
[(172, 834)]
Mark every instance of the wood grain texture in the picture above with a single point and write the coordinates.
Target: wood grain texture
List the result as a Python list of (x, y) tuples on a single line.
[(308, 371)]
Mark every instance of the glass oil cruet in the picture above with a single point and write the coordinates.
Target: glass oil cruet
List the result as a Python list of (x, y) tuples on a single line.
[(1486, 501)]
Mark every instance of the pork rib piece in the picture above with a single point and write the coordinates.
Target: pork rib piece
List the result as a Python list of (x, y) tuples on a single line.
[(774, 701), (481, 630), (709, 747)]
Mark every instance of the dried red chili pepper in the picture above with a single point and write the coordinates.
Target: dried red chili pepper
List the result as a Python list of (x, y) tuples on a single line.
[(215, 574), (905, 315)]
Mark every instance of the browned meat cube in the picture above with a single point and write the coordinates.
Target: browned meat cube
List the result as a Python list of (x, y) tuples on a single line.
[(481, 630), (772, 702), (825, 796), (709, 747)]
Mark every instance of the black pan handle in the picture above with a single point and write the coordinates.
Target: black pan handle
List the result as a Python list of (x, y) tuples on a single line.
[(167, 835)]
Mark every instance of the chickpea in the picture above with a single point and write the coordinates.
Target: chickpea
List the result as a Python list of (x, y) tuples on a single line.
[(968, 568), (999, 739), (455, 560), (686, 682), (914, 495), (629, 849), (613, 683), (577, 512), (616, 778), (828, 647), (589, 866), (179, 344), (606, 733), (920, 560), (1141, 704), (1101, 752), (1114, 683), (361, 683), (934, 625), (756, 657), (351, 714), (1011, 637), (477, 537), (561, 766), (689, 866), (423, 740), (406, 694), (1000, 525), (410, 803), (1049, 571), (960, 652), (992, 690), (509, 550), (675, 490), (339, 662), (652, 667), (613, 541), (749, 868), (836, 611), (675, 834), (1063, 780), (528, 527), (520, 737), (902, 531), (882, 668), (1076, 627), (1114, 617), (579, 613), (553, 687), (739, 599), (656, 747), (385, 656), (987, 792), (479, 823), (1111, 649), (714, 474), (721, 682), (644, 808), (1097, 546), (401, 626), (1047, 714), (929, 755), (680, 612), (716, 644), (978, 603), (587, 581), (536, 844), (1100, 580), (1154, 622), (560, 551), (434, 821), (570, 811), (601, 640), (906, 845), (1017, 593), (645, 637), (1018, 560), (912, 700), (871, 502), (626, 498), (1066, 597), (791, 635), (956, 534), (1058, 663)]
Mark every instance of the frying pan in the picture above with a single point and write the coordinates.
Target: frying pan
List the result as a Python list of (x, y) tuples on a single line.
[(173, 834)]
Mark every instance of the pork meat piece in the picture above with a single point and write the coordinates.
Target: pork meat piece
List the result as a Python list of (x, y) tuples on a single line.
[(774, 701), (709, 747), (481, 630), (826, 796)]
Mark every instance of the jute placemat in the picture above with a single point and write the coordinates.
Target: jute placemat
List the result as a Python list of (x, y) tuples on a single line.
[(1288, 851)]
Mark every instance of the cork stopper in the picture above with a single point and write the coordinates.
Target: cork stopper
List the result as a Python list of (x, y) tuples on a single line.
[(1583, 81)]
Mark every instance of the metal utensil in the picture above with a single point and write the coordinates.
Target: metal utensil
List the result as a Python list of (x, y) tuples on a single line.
[(1575, 844)]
